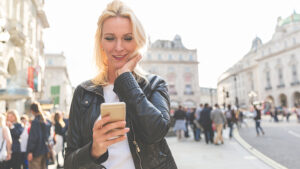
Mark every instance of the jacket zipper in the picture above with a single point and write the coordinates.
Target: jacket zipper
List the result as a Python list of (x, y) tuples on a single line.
[(137, 148)]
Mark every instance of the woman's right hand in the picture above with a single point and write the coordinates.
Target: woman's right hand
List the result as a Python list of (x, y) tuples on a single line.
[(104, 137)]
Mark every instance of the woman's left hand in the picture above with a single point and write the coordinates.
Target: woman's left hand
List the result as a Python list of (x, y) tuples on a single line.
[(130, 65)]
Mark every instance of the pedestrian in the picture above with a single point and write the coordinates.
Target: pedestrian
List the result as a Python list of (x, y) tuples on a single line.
[(37, 148), (189, 121), (230, 118), (5, 143), (257, 118), (180, 127), (197, 124), (16, 129), (206, 123), (141, 143), (59, 125), (219, 120), (298, 112), (24, 140)]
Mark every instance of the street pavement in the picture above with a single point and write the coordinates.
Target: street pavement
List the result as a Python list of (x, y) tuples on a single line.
[(280, 143), (189, 154)]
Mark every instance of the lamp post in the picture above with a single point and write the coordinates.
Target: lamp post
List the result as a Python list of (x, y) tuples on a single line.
[(224, 97)]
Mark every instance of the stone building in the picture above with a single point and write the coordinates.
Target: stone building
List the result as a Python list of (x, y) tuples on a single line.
[(179, 67), (58, 90), (269, 73), (21, 52)]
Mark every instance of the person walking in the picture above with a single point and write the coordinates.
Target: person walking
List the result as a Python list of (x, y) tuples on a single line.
[(24, 140), (5, 143), (206, 123), (230, 116), (219, 120), (59, 125), (16, 129), (179, 127), (257, 118), (37, 148)]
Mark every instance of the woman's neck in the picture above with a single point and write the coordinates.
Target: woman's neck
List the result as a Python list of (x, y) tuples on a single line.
[(111, 75)]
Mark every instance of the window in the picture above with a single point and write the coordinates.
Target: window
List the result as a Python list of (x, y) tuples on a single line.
[(149, 56), (294, 40), (159, 57), (170, 57), (172, 90), (180, 57), (191, 57), (188, 90), (268, 80), (294, 73), (280, 76)]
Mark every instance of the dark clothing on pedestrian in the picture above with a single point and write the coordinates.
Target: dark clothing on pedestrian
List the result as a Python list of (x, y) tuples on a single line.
[(16, 157), (206, 123), (179, 115), (257, 119), (38, 137)]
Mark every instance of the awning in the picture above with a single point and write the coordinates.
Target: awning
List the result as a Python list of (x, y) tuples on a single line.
[(47, 106), (15, 93)]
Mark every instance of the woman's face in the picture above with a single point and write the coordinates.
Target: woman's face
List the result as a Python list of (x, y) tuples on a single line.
[(11, 118), (117, 41)]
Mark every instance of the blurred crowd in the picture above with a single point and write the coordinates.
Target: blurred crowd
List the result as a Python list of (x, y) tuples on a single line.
[(33, 140), (211, 121)]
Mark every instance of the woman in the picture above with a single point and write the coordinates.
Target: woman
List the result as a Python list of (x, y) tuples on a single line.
[(257, 119), (179, 126), (16, 129), (5, 143), (37, 140), (142, 145), (59, 125)]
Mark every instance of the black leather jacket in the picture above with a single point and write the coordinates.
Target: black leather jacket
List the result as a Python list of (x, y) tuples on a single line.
[(147, 116)]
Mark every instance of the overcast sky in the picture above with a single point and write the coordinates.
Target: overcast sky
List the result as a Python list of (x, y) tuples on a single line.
[(221, 30)]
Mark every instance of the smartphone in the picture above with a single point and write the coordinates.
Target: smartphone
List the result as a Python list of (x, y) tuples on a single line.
[(116, 111)]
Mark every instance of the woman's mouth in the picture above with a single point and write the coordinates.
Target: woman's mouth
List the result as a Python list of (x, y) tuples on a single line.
[(119, 57)]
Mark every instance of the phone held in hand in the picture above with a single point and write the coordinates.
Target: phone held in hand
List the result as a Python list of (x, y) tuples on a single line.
[(116, 111)]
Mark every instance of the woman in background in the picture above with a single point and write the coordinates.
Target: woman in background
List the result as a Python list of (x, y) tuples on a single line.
[(16, 129)]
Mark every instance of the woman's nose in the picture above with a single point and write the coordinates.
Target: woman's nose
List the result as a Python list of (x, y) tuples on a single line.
[(119, 45)]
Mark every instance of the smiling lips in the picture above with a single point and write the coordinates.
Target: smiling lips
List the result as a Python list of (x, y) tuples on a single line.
[(119, 57)]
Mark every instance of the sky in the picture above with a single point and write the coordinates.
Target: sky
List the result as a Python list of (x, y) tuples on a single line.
[(221, 31)]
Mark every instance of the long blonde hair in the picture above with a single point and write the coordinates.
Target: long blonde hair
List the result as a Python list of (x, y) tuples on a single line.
[(15, 114), (114, 9), (2, 120)]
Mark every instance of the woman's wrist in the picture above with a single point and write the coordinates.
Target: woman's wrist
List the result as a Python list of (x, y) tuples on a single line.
[(121, 71)]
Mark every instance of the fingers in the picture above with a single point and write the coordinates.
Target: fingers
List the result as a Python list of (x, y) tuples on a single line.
[(113, 125), (99, 124), (115, 133), (113, 141)]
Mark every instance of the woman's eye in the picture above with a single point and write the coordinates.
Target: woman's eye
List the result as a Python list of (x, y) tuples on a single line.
[(128, 38), (109, 38)]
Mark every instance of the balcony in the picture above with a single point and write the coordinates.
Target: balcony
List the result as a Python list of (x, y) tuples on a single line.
[(296, 83), (16, 32), (268, 88), (280, 86)]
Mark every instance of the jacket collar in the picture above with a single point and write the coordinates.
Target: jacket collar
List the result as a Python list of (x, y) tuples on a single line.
[(98, 89)]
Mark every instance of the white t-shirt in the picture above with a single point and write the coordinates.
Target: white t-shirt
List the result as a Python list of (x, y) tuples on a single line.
[(119, 153)]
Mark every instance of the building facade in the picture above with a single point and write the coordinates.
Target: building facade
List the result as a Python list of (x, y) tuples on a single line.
[(58, 90), (21, 52), (269, 73), (179, 67)]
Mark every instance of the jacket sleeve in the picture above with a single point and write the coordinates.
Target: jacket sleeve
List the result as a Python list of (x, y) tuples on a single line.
[(33, 137), (78, 155), (151, 117), (16, 131)]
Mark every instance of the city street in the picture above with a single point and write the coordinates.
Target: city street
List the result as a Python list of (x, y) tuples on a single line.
[(280, 143), (189, 154)]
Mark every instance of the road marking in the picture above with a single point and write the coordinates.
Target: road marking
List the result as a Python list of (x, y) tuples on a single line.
[(294, 133)]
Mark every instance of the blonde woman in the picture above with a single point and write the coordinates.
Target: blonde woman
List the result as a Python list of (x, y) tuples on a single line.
[(91, 142), (16, 129), (5, 143)]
